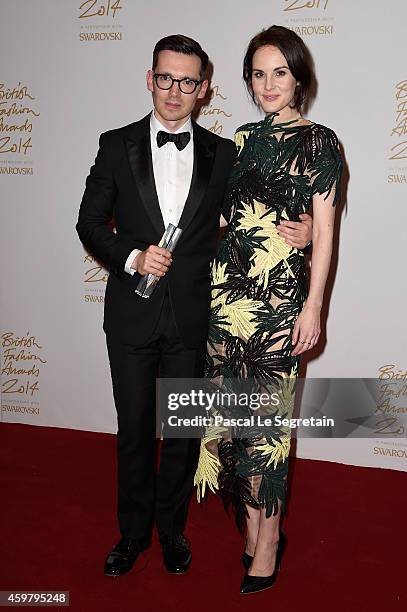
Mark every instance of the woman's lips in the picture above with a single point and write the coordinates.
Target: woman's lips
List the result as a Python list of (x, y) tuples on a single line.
[(270, 98)]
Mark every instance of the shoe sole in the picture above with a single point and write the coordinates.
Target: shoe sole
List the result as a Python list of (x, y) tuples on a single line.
[(180, 571), (120, 574), (117, 575), (258, 590)]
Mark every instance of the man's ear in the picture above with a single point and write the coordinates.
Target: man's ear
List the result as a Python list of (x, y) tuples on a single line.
[(150, 80), (203, 90)]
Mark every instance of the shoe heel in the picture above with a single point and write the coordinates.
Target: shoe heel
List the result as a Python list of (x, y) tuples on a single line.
[(246, 560), (282, 543)]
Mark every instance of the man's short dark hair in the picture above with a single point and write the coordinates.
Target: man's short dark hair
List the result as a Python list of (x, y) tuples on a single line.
[(181, 44), (295, 52)]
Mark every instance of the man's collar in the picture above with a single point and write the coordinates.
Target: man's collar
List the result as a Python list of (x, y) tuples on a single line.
[(156, 126)]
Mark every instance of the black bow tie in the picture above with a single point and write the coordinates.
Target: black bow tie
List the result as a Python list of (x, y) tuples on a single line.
[(180, 140)]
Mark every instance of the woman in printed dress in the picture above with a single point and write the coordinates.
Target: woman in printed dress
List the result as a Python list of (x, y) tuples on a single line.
[(263, 315)]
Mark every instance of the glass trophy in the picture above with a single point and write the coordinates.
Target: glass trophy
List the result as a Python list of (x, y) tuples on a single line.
[(168, 241)]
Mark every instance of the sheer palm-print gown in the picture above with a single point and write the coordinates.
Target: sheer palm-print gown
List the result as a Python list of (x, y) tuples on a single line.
[(259, 286)]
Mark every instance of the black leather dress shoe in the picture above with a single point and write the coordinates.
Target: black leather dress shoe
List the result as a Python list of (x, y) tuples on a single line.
[(123, 557), (254, 584), (176, 553)]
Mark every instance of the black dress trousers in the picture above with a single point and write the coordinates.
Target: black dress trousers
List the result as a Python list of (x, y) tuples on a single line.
[(145, 492)]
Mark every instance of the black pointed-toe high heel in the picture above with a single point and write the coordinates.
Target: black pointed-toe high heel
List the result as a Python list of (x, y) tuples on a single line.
[(254, 584)]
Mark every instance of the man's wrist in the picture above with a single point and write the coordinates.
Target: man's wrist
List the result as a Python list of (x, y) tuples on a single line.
[(134, 264), (130, 262)]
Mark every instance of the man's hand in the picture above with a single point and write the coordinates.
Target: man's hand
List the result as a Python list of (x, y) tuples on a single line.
[(297, 234), (154, 260)]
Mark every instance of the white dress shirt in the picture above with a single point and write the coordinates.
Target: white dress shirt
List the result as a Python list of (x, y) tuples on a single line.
[(172, 174)]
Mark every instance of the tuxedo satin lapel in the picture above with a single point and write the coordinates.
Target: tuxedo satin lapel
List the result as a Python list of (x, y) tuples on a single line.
[(139, 154), (204, 156)]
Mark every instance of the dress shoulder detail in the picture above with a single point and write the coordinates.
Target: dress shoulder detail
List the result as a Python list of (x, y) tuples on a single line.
[(324, 161)]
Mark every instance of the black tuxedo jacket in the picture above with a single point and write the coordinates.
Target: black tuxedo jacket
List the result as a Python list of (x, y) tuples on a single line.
[(121, 186)]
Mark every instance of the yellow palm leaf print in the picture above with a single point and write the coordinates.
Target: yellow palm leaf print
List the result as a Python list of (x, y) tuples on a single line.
[(241, 316), (240, 138), (277, 249), (264, 261), (278, 451), (207, 471), (250, 218)]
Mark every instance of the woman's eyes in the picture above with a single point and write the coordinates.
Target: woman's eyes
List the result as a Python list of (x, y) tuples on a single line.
[(279, 73)]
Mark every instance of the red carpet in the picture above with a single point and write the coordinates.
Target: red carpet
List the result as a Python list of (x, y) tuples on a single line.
[(346, 531)]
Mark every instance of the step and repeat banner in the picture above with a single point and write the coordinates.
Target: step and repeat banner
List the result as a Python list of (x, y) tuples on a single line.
[(73, 69)]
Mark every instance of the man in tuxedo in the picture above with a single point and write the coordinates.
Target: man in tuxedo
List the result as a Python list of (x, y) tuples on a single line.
[(162, 169)]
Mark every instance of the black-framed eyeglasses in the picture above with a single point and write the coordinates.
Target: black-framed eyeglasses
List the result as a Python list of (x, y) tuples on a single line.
[(186, 86)]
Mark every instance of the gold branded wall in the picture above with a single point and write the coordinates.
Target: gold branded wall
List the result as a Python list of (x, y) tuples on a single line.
[(71, 70)]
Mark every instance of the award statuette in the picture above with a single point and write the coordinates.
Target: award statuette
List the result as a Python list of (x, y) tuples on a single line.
[(168, 241)]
